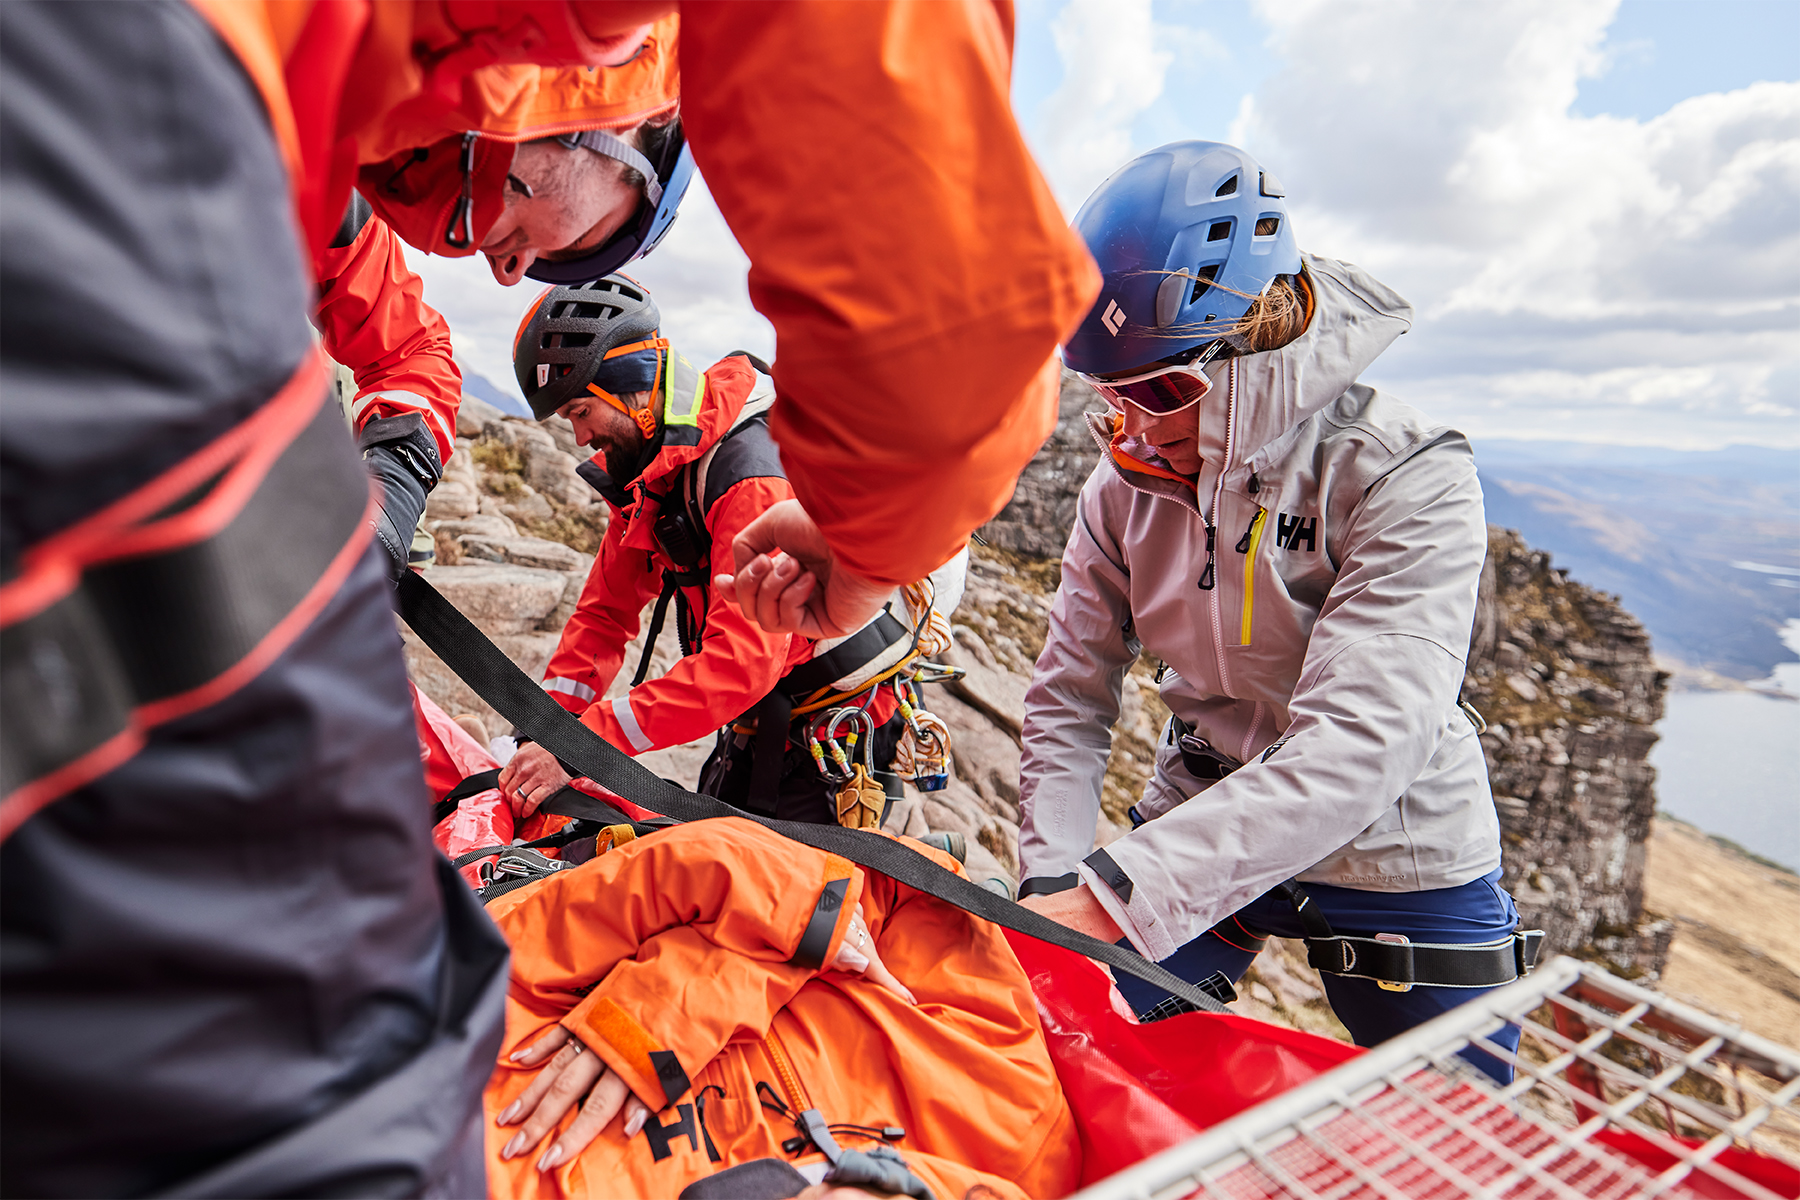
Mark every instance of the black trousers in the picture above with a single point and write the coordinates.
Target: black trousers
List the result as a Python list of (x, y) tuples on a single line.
[(234, 965), (804, 794)]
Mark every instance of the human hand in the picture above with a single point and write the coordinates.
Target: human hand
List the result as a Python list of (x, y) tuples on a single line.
[(532, 777), (857, 955), (571, 1074), (789, 581), (1076, 908)]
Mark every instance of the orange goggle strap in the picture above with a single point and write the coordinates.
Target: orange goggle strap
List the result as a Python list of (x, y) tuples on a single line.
[(647, 344), (645, 417)]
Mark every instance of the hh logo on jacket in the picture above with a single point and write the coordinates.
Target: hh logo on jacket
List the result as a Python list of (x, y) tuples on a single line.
[(1290, 532)]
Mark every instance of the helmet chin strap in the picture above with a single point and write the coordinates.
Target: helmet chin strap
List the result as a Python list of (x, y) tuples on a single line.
[(644, 418), (604, 143)]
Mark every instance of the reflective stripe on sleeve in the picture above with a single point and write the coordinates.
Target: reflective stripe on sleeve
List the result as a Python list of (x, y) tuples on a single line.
[(411, 401), (627, 719), (570, 687)]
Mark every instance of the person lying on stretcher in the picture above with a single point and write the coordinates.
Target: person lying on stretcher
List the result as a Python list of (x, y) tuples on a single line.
[(716, 998)]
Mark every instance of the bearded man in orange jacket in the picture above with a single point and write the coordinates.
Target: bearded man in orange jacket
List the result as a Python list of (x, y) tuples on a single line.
[(684, 461), (232, 963)]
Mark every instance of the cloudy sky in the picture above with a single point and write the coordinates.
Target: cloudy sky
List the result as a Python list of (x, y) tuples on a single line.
[(1593, 205)]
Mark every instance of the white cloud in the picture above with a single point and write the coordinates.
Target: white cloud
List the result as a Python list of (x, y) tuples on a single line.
[(1605, 277), (1114, 61), (697, 275)]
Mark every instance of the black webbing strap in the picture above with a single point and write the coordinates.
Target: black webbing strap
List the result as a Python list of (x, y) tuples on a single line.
[(670, 587), (474, 785), (562, 837), (480, 664), (770, 749), (565, 802), (1405, 963)]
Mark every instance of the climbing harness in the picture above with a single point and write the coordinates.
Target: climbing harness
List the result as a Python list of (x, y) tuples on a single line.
[(1396, 963), (923, 758)]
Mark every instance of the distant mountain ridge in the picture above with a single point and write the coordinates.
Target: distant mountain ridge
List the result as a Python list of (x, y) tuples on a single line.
[(482, 388), (1703, 546)]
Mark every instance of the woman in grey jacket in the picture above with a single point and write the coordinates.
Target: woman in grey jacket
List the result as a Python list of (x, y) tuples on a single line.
[(1302, 553)]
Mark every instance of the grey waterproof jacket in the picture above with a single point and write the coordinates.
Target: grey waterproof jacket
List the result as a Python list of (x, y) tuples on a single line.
[(1344, 536)]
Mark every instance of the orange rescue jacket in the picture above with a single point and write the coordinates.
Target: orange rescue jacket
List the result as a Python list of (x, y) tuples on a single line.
[(737, 662), (685, 943), (910, 255)]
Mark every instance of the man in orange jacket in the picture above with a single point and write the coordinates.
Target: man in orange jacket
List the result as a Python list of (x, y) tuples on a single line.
[(752, 992), (232, 962), (596, 355)]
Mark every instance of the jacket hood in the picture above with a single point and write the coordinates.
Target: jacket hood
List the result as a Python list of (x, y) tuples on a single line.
[(413, 164), (1355, 318)]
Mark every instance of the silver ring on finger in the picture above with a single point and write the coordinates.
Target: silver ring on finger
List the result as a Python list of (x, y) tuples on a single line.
[(577, 1045)]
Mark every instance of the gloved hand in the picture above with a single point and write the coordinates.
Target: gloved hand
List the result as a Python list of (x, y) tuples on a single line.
[(402, 456)]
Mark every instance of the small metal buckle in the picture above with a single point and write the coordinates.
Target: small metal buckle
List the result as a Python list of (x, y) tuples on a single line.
[(1394, 939)]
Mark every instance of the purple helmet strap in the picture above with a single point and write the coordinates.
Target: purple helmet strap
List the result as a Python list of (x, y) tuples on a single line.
[(604, 143)]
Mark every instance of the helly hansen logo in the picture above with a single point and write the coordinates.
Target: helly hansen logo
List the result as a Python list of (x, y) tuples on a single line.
[(1291, 531), (1113, 318)]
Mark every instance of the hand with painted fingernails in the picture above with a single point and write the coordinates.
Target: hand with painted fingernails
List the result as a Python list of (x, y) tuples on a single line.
[(570, 1073), (857, 954)]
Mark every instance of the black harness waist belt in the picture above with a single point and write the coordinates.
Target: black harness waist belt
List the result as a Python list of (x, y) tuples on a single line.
[(853, 652), (1397, 963)]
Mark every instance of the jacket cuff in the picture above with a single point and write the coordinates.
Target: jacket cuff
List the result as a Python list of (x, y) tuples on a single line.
[(649, 1069), (1127, 905)]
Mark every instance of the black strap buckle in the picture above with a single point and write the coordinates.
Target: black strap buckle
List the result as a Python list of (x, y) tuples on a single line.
[(1202, 759), (1397, 964), (1527, 945)]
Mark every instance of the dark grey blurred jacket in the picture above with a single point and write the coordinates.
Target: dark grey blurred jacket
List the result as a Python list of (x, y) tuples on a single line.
[(233, 965)]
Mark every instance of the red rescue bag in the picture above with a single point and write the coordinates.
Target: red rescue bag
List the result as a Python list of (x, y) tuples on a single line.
[(1137, 1089)]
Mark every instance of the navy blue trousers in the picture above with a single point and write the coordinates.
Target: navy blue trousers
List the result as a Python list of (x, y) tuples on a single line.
[(1479, 911)]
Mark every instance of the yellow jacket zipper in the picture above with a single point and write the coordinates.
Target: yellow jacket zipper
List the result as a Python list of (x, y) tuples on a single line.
[(1252, 539)]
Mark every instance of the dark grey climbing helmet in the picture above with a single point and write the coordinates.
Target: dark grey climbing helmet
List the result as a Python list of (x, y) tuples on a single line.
[(563, 342)]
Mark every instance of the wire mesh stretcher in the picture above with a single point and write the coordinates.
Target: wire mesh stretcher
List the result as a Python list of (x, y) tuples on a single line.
[(1618, 1091)]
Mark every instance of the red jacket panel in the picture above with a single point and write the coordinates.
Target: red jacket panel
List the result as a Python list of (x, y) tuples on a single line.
[(372, 317), (909, 253)]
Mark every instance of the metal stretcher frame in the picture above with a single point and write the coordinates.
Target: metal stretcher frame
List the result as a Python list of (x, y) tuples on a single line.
[(1603, 1065)]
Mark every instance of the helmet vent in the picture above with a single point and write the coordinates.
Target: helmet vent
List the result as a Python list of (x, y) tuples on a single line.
[(1206, 275), (577, 310), (1222, 229), (1267, 226), (1228, 188)]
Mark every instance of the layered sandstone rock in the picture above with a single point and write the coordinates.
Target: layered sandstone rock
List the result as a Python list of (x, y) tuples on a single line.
[(1571, 694)]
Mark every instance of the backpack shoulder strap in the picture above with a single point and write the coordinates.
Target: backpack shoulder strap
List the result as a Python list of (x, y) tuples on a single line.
[(747, 451)]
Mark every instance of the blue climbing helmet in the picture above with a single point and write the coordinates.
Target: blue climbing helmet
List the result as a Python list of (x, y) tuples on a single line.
[(667, 169), (1187, 237)]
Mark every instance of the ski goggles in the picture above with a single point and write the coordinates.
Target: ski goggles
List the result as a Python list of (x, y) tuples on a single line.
[(1163, 391)]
